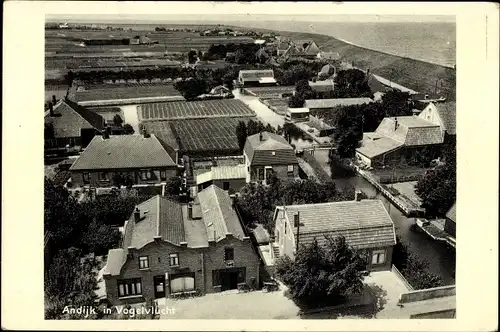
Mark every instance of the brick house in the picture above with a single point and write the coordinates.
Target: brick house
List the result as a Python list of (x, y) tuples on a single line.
[(170, 248), (70, 127), (400, 139), (141, 158), (365, 224), (266, 154)]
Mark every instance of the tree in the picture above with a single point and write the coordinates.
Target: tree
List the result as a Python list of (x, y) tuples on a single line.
[(117, 120), (192, 56), (173, 186), (323, 274), (127, 129), (99, 238), (241, 134), (351, 83)]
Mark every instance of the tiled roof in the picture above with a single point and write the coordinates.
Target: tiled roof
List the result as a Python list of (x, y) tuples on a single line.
[(322, 86), (272, 150), (123, 151), (71, 118), (375, 146), (160, 216), (312, 49), (332, 103), (411, 131), (261, 234), (222, 173), (374, 84), (447, 113), (364, 224), (452, 213), (218, 214), (116, 259)]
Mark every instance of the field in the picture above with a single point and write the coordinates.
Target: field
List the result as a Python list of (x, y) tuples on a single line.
[(128, 91), (200, 136), (279, 106), (194, 110), (270, 92)]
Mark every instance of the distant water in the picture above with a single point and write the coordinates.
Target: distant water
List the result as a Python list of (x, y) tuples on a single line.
[(430, 42)]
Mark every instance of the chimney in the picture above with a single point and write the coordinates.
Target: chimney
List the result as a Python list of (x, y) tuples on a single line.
[(105, 132), (137, 215), (296, 219), (145, 133), (51, 109), (54, 100), (261, 137), (190, 211), (395, 123), (357, 195)]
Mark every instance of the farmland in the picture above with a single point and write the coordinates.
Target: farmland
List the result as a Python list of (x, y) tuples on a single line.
[(194, 110), (200, 137), (125, 91), (270, 92), (279, 106)]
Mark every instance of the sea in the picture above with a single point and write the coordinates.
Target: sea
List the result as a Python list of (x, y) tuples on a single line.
[(433, 42)]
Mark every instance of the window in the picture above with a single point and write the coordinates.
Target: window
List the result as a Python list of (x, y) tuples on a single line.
[(86, 177), (129, 287), (278, 235), (174, 259), (225, 185), (143, 262), (378, 257), (159, 259), (228, 254), (284, 226), (290, 169), (103, 176), (163, 175), (261, 174), (146, 174)]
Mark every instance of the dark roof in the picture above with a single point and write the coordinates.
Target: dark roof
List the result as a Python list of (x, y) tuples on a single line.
[(271, 150), (447, 113), (452, 213), (411, 130), (364, 224), (218, 214), (123, 151), (71, 118)]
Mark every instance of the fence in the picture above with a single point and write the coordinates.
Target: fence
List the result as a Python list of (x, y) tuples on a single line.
[(387, 179), (427, 294), (320, 172), (395, 270)]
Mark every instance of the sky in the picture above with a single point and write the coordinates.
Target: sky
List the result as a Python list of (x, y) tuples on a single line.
[(146, 18)]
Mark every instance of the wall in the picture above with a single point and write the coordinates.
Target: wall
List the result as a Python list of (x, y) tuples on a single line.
[(435, 314), (431, 114), (450, 227), (427, 294), (189, 260), (318, 170), (286, 242), (77, 177), (280, 170)]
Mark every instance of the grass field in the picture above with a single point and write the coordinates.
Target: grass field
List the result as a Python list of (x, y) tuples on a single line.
[(270, 92), (279, 106), (126, 92), (194, 110)]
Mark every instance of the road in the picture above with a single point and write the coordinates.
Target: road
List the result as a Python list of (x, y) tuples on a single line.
[(262, 111)]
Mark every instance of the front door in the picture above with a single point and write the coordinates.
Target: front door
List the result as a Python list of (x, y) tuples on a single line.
[(159, 285)]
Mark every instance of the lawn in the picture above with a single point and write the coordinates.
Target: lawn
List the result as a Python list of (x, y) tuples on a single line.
[(194, 110), (279, 106)]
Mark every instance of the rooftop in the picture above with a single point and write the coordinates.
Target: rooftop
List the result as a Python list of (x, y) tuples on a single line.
[(332, 103), (364, 224), (123, 151), (272, 149), (410, 130), (375, 145), (70, 118), (452, 213), (222, 173), (447, 113)]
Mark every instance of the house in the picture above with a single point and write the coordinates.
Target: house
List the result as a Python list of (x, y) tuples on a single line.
[(226, 177), (451, 220), (220, 90), (442, 114), (399, 139), (265, 77), (266, 154), (301, 49), (297, 114), (364, 223), (141, 40), (332, 56), (282, 47), (141, 158), (70, 127), (170, 248), (327, 71), (331, 104)]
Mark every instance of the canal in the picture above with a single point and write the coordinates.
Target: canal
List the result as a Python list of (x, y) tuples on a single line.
[(440, 256)]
